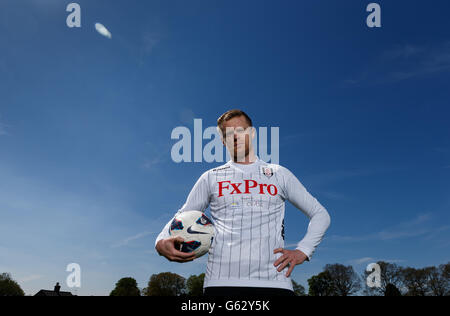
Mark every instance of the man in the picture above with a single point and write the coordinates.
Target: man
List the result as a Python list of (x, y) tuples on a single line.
[(246, 197)]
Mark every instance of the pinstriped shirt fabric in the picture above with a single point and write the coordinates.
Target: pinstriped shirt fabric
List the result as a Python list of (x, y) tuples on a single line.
[(247, 205)]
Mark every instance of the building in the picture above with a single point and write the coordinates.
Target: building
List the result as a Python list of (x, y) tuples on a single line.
[(55, 292)]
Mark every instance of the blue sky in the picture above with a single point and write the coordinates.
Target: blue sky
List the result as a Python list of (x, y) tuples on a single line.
[(86, 174)]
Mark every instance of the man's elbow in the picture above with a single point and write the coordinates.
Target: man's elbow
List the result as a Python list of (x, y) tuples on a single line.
[(325, 218)]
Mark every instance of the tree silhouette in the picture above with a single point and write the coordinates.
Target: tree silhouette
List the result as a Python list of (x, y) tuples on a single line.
[(438, 280), (299, 290), (194, 285), (445, 270), (334, 280), (415, 281), (345, 280), (321, 285), (391, 290), (126, 287), (390, 273), (9, 287), (429, 281), (165, 284)]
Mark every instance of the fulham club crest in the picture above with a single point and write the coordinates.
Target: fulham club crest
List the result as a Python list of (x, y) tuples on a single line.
[(268, 172)]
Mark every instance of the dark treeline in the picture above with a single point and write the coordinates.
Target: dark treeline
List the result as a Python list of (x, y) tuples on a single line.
[(334, 280)]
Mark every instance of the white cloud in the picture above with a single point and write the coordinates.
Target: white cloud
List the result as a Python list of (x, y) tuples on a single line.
[(329, 177), (405, 62), (53, 225), (3, 128), (102, 30), (160, 154), (421, 62), (416, 227), (127, 240), (151, 163), (149, 41), (405, 51), (390, 235), (362, 260), (367, 260), (30, 278), (392, 260)]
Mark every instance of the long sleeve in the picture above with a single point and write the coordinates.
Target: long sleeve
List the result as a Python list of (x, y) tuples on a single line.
[(318, 215), (198, 200)]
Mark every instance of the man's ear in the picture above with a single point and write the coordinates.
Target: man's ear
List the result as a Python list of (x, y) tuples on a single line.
[(219, 131)]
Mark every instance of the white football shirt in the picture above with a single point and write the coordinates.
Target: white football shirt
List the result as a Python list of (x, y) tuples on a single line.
[(247, 204)]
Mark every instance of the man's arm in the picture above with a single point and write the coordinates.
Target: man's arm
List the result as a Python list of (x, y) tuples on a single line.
[(317, 214), (296, 193), (198, 200)]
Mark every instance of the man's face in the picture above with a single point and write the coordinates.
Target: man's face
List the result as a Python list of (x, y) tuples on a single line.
[(238, 137)]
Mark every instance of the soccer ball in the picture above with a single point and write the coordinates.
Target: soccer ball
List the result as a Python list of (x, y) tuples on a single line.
[(196, 229)]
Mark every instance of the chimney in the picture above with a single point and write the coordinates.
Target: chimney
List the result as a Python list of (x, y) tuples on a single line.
[(57, 288)]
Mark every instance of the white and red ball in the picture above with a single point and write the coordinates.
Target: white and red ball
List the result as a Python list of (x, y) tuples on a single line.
[(196, 229)]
